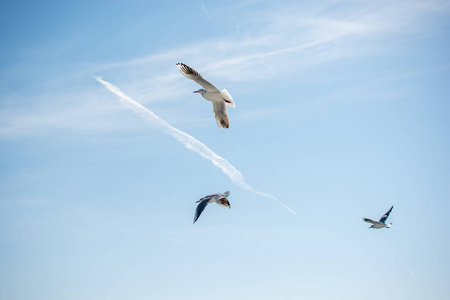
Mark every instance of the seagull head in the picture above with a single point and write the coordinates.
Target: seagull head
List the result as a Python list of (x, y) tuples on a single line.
[(200, 91), (224, 202)]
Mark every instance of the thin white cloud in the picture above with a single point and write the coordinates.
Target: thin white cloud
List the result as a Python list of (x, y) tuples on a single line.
[(269, 46), (411, 273), (206, 13), (276, 46), (236, 24), (59, 113), (188, 141)]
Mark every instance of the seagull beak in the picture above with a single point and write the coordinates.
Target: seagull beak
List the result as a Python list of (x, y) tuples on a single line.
[(195, 91)]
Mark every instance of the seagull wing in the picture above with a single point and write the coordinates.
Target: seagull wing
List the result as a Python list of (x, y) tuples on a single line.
[(386, 215), (221, 114), (369, 221), (200, 208), (194, 75), (226, 194), (207, 197), (227, 98)]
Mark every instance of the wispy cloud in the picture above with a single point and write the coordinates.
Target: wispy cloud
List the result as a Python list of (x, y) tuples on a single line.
[(274, 42), (206, 13), (280, 42), (58, 114), (411, 273), (287, 38), (188, 141), (236, 24)]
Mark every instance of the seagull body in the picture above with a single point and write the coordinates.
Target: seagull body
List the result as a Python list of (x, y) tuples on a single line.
[(381, 223), (220, 99), (219, 198)]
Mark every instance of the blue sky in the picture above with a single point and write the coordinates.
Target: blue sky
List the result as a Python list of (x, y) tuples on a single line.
[(341, 111)]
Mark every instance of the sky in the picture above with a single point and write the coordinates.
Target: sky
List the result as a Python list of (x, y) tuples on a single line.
[(341, 111)]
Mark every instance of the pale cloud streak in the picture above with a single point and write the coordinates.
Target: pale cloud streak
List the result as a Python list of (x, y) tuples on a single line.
[(58, 113), (295, 39), (206, 13), (272, 43), (280, 42)]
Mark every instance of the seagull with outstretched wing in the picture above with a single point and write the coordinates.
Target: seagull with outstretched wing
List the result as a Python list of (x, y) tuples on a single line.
[(382, 222), (219, 198), (220, 99)]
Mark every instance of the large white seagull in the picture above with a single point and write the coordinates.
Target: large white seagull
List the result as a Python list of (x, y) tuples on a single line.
[(220, 99)]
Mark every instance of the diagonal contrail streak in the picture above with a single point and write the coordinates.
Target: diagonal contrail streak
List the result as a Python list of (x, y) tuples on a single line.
[(187, 140)]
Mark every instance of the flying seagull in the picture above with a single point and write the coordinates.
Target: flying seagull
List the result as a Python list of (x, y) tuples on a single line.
[(381, 223), (220, 99), (219, 198)]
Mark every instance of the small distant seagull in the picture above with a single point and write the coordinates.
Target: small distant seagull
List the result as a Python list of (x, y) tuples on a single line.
[(220, 99), (219, 198), (381, 223)]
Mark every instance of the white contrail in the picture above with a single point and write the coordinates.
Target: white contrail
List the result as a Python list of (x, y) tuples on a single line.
[(188, 141)]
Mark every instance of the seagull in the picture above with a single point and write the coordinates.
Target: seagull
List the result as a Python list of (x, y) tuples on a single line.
[(220, 99), (381, 223), (219, 198)]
